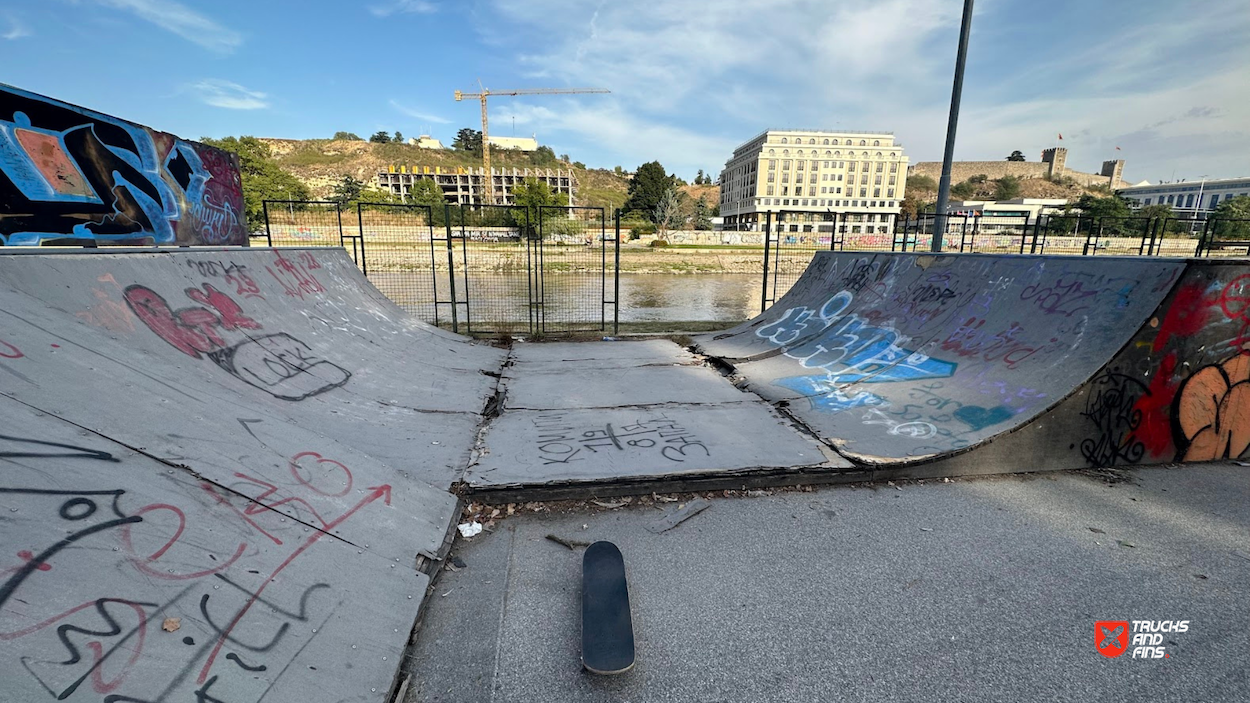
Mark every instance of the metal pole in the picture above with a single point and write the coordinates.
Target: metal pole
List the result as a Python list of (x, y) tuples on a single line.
[(944, 185)]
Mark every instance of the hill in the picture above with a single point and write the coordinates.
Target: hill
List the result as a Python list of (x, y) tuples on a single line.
[(320, 163)]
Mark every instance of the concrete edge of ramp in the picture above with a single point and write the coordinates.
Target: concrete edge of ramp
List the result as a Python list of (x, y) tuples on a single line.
[(1124, 411)]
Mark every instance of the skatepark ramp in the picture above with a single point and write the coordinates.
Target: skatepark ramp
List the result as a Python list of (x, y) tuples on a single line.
[(227, 473), (907, 363), (222, 473)]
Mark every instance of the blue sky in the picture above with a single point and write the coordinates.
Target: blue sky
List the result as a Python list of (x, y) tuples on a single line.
[(1167, 82)]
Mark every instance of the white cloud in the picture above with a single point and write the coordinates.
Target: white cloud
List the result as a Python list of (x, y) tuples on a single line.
[(402, 7), (181, 20), (686, 77), (17, 28), (412, 112), (228, 95)]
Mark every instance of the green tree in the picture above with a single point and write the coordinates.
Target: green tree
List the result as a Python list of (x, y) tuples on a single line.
[(349, 136), (1161, 213), (966, 190), (1006, 188), (381, 137), (910, 206), (668, 210), (1016, 156), (531, 195), (398, 138), (698, 178), (578, 164), (468, 139), (648, 185), (347, 190), (263, 178), (1109, 212), (1232, 218), (978, 179), (922, 182), (702, 214)]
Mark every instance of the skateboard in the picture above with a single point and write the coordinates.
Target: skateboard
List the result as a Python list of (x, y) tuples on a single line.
[(607, 628)]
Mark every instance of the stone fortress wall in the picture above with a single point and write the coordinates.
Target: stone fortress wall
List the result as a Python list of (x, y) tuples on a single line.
[(1052, 165)]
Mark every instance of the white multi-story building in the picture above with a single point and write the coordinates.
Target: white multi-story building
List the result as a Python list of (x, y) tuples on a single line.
[(860, 176), (1188, 198)]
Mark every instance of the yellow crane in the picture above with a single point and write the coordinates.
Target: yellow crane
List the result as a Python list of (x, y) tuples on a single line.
[(488, 180)]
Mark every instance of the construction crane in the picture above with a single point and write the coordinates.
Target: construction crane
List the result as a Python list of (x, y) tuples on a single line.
[(489, 181)]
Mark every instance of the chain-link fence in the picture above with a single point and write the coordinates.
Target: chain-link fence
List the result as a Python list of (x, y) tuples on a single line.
[(573, 258), (399, 256), (791, 240)]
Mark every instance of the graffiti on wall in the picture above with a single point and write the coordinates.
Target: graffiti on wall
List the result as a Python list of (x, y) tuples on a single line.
[(277, 363), (165, 590), (71, 174)]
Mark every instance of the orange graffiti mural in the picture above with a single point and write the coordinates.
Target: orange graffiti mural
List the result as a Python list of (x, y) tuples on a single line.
[(1212, 412)]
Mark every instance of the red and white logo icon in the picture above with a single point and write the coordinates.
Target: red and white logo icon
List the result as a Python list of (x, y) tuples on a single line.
[(1111, 637)]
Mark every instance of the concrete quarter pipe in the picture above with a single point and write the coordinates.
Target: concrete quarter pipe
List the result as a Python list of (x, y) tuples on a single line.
[(225, 473)]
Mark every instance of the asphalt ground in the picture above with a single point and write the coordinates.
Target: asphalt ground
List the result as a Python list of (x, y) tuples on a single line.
[(979, 589)]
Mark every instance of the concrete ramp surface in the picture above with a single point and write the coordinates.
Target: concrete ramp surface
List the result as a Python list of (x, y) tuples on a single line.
[(226, 474), (221, 470), (1042, 362)]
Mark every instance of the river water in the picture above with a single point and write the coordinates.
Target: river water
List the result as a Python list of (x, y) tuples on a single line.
[(574, 297)]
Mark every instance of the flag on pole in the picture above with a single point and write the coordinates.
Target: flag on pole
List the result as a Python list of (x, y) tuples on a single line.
[(1060, 137), (1117, 148)]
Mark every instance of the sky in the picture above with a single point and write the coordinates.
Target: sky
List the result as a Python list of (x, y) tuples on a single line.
[(1166, 82)]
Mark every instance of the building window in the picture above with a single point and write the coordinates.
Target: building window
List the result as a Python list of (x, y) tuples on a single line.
[(863, 143), (772, 152), (877, 142), (798, 190), (772, 177), (1147, 201), (893, 180), (891, 195), (863, 192), (813, 179), (785, 164), (785, 178), (826, 142), (811, 141), (880, 166), (785, 190), (770, 189), (851, 167), (801, 165), (876, 192), (837, 154), (894, 167), (824, 189), (783, 140), (877, 181)]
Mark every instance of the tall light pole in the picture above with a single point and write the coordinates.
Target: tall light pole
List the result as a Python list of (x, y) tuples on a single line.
[(1201, 186), (944, 185)]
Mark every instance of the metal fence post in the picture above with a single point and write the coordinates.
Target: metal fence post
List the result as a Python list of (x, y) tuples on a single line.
[(616, 276), (360, 227), (451, 271), (768, 225), (264, 204)]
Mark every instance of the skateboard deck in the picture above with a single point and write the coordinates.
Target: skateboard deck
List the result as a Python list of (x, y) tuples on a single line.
[(607, 628)]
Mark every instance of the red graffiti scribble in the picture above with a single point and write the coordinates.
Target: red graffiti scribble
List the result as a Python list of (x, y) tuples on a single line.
[(221, 500), (141, 562), (25, 555), (1155, 430), (12, 353), (191, 330), (1235, 301), (375, 492), (232, 317), (320, 463), (1186, 316), (294, 276)]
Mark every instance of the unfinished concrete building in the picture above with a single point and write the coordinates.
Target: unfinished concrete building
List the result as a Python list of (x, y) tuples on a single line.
[(464, 186)]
